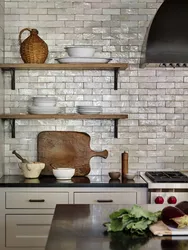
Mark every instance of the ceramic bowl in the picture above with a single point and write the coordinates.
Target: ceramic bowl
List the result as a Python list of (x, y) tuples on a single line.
[(80, 51), (63, 173), (130, 175), (114, 175)]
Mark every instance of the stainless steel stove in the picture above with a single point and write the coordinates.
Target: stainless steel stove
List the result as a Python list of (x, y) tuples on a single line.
[(168, 187), (167, 177)]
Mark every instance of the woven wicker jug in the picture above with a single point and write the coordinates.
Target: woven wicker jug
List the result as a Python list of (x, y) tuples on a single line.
[(33, 49)]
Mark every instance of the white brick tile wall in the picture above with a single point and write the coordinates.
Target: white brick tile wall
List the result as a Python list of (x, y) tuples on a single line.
[(156, 99)]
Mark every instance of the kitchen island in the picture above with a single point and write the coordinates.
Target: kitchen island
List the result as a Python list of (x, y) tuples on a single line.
[(80, 227)]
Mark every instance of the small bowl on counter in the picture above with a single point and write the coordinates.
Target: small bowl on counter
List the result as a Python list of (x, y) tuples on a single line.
[(130, 175), (114, 175), (63, 173)]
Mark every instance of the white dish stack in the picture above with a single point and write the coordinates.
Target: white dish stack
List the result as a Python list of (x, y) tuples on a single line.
[(89, 109), (81, 54), (44, 105)]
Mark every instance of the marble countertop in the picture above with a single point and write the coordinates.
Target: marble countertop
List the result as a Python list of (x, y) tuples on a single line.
[(80, 227), (50, 181)]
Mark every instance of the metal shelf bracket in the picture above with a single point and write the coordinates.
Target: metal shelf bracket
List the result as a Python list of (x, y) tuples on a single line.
[(12, 124), (116, 128), (116, 72), (12, 73)]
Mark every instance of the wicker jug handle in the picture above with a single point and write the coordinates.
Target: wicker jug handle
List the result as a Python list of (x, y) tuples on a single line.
[(21, 34)]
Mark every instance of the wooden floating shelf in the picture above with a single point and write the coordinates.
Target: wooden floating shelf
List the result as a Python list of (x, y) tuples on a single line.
[(62, 66), (13, 117), (63, 116)]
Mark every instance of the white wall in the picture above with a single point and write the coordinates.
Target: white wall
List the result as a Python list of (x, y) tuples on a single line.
[(1, 87), (156, 100)]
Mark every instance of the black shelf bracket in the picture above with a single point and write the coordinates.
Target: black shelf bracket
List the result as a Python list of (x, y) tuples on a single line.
[(12, 124), (116, 128), (12, 74), (116, 72)]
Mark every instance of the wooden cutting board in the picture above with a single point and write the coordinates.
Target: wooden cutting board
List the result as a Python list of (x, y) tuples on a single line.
[(66, 149), (160, 229)]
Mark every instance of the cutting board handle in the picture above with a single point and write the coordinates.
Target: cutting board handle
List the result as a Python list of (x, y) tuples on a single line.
[(103, 154)]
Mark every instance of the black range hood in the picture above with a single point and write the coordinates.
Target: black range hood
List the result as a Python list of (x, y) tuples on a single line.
[(167, 38)]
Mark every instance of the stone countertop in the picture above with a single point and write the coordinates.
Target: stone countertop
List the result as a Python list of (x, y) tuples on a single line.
[(50, 181), (80, 227)]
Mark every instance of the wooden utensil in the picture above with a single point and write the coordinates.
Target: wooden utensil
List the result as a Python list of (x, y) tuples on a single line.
[(66, 149)]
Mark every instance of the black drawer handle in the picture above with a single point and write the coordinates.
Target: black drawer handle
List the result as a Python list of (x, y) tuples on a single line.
[(104, 200), (39, 200)]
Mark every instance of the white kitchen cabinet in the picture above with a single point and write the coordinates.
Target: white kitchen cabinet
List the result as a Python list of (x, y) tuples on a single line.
[(26, 213), (107, 197), (35, 200), (27, 230)]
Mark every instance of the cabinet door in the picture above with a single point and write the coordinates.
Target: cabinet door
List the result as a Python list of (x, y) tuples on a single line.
[(27, 230), (35, 199), (107, 197)]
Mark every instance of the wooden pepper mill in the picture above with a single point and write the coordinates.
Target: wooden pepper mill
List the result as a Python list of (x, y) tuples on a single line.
[(124, 163), (33, 49)]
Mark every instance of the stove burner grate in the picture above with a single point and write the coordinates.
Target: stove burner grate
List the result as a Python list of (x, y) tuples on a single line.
[(167, 176)]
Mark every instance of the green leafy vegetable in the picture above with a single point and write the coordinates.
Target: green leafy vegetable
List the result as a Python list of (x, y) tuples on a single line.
[(135, 220)]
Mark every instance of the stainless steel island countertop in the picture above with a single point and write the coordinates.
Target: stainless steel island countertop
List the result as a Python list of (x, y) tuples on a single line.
[(80, 227)]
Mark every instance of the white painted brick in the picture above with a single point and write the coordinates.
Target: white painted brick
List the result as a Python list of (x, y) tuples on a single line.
[(155, 134)]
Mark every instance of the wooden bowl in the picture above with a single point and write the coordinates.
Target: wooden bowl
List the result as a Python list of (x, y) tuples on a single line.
[(114, 175)]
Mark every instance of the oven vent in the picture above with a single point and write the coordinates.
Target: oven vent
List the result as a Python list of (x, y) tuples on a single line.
[(167, 37)]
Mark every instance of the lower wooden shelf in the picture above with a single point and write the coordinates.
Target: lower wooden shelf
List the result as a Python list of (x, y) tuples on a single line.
[(13, 117)]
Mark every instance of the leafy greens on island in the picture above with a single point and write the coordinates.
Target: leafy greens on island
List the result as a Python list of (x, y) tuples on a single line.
[(134, 220)]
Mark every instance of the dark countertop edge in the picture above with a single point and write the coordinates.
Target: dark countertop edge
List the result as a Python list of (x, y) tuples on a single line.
[(73, 185)]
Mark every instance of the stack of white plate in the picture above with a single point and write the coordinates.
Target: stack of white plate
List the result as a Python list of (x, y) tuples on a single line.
[(89, 109), (43, 110), (44, 105), (42, 101)]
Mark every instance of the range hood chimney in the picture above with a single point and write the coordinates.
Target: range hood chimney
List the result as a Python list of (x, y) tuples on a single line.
[(167, 38)]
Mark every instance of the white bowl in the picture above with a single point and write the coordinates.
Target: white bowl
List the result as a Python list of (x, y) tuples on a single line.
[(80, 51), (130, 175), (63, 173)]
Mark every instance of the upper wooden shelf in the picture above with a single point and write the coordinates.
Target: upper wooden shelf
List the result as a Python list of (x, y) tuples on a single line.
[(63, 116), (61, 66)]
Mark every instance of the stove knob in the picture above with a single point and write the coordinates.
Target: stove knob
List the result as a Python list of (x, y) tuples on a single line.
[(159, 200), (172, 200)]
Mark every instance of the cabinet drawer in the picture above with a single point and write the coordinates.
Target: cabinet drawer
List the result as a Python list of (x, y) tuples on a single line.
[(27, 230), (35, 199), (107, 197)]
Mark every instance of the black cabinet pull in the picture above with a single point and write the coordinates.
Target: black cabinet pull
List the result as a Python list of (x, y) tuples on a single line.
[(104, 200), (39, 200)]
